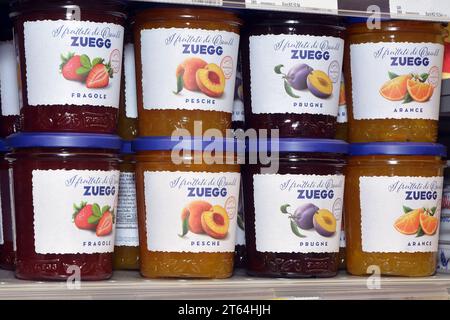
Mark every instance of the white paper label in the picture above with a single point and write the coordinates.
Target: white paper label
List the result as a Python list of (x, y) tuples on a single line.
[(191, 211), (298, 213), (191, 69), (446, 200), (238, 111), (396, 80), (400, 214), (444, 258), (9, 88), (295, 74), (240, 231), (13, 208), (444, 229), (342, 241), (90, 48), (130, 82), (127, 224), (74, 211)]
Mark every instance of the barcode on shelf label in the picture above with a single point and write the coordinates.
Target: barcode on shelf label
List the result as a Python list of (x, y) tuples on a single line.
[(218, 3), (425, 10), (327, 6)]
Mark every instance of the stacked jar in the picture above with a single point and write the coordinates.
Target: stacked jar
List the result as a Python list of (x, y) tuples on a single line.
[(293, 206), (444, 233), (65, 163), (186, 60), (395, 174)]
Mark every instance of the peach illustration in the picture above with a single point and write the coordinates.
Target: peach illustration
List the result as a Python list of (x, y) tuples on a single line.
[(188, 69), (211, 80), (216, 222), (195, 209)]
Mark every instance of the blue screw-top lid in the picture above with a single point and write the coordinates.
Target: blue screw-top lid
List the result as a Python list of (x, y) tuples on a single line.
[(398, 148), (127, 147), (64, 140), (299, 145), (183, 143), (3, 146)]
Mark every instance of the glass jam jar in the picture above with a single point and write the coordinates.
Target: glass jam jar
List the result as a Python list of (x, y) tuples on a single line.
[(7, 231), (292, 71), (293, 216), (342, 118), (126, 250), (392, 202), (393, 75), (186, 61), (66, 192), (187, 207), (74, 84), (9, 88)]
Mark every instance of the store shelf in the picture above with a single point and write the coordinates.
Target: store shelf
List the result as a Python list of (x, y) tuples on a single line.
[(129, 285), (430, 10)]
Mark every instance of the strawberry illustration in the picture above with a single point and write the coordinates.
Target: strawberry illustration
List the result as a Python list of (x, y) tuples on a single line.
[(69, 67), (105, 225), (99, 76), (83, 216)]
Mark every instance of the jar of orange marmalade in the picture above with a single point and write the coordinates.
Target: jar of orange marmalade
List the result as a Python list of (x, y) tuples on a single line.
[(393, 76), (187, 207), (186, 68), (393, 195)]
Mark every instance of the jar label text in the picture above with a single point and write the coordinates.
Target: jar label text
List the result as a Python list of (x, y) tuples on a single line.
[(127, 224)]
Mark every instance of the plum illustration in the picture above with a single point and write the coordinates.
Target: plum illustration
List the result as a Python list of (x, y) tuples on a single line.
[(320, 84), (324, 223), (304, 216), (297, 76)]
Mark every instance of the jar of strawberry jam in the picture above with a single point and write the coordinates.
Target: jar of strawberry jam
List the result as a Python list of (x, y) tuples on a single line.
[(72, 84), (293, 216), (186, 61), (392, 202), (7, 245), (393, 78), (66, 194), (187, 207), (292, 71)]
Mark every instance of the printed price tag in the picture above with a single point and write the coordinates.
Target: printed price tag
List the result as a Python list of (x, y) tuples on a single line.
[(323, 6), (218, 3), (425, 10)]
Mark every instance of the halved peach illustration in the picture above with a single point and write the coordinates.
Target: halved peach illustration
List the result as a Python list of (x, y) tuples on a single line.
[(188, 69), (211, 80), (195, 209), (216, 222)]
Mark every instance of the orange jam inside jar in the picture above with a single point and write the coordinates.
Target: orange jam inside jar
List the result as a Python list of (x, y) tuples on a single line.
[(126, 247), (187, 207), (393, 75), (392, 203), (186, 67)]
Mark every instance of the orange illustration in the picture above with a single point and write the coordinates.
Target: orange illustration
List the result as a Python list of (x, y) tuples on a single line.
[(409, 223), (419, 91), (428, 223), (395, 89)]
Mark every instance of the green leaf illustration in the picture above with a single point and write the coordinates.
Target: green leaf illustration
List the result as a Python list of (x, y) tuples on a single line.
[(83, 71), (97, 61), (93, 219), (180, 84), (392, 75), (433, 211), (424, 77), (295, 230), (277, 69), (185, 226), (284, 207), (408, 98), (289, 91), (420, 232), (96, 210), (85, 61), (407, 209)]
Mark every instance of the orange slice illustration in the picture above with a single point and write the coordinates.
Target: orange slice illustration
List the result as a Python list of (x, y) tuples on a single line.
[(409, 222), (395, 89)]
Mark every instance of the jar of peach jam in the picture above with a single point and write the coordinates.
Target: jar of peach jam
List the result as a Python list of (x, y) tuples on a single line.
[(392, 202), (186, 61), (393, 76), (187, 207)]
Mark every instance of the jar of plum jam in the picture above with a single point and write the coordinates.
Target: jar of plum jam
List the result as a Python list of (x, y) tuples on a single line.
[(74, 84), (7, 233), (293, 215), (66, 195), (292, 71), (9, 89), (392, 201)]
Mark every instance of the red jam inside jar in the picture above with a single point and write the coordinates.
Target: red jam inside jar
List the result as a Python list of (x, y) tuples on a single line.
[(293, 207), (74, 84), (65, 204)]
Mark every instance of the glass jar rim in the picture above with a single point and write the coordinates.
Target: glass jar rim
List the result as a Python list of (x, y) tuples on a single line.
[(398, 149), (64, 140)]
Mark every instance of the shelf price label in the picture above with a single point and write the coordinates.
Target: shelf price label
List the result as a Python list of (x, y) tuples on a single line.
[(434, 10), (313, 6), (216, 3)]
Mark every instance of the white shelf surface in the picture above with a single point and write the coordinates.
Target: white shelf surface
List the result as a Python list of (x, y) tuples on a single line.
[(130, 285)]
